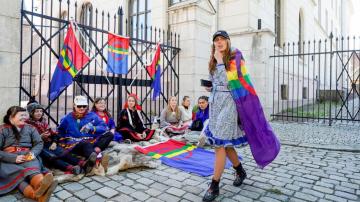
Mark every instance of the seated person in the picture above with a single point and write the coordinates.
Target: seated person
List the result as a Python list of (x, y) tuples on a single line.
[(186, 113), (130, 123), (83, 133), (51, 154), (99, 107), (170, 119), (20, 144), (202, 114)]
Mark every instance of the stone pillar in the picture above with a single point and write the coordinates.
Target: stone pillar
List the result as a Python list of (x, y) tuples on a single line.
[(192, 20), (9, 54)]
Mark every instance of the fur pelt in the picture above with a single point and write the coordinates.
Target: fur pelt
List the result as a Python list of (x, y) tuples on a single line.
[(122, 157)]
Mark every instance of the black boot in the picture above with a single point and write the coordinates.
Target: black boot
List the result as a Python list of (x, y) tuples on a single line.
[(239, 176), (212, 192), (90, 163)]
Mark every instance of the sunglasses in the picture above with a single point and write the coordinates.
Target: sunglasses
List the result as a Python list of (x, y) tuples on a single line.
[(81, 106)]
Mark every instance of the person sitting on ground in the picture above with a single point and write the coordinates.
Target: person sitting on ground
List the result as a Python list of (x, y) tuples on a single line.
[(20, 144), (52, 155), (186, 113), (99, 107), (84, 133), (130, 123), (202, 114), (170, 119)]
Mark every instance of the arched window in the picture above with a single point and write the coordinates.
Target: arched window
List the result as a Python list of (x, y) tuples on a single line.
[(139, 14), (86, 18), (278, 22)]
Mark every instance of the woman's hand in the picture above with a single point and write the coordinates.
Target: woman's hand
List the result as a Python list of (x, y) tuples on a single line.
[(97, 150), (53, 146), (45, 134), (20, 159), (140, 136), (208, 89), (218, 57), (112, 131)]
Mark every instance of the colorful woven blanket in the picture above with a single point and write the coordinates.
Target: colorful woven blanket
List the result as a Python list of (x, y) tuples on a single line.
[(183, 156)]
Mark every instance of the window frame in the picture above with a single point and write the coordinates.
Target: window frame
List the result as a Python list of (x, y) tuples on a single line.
[(86, 18), (138, 14), (171, 2)]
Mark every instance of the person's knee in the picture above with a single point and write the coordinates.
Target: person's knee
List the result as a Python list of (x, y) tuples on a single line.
[(109, 135), (219, 149), (229, 149)]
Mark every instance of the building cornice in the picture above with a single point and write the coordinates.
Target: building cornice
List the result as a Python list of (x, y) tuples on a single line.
[(192, 3), (251, 31)]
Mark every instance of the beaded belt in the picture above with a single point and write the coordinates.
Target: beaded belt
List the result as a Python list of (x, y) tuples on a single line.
[(14, 149)]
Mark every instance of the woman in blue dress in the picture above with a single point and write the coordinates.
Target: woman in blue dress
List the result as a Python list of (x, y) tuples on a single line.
[(223, 131)]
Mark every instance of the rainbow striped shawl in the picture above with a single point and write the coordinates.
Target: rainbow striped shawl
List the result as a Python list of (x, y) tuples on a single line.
[(263, 143)]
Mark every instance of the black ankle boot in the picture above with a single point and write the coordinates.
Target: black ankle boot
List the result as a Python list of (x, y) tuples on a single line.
[(212, 192), (240, 175)]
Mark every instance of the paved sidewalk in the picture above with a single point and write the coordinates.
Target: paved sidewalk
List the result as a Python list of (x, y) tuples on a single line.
[(340, 136), (298, 174)]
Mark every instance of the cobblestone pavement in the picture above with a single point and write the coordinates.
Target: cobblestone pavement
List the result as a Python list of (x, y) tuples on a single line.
[(318, 135), (298, 174)]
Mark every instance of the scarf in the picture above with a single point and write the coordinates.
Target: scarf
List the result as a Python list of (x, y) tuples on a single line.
[(264, 145), (130, 118), (104, 117), (79, 115)]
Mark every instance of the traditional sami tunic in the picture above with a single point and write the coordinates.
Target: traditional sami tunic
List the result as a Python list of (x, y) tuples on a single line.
[(12, 173), (69, 129), (130, 124)]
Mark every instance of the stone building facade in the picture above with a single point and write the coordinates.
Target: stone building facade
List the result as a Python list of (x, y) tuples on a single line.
[(254, 27)]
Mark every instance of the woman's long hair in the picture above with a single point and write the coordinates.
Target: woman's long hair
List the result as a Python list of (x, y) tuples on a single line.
[(226, 57), (169, 109), (97, 100), (11, 113), (137, 106)]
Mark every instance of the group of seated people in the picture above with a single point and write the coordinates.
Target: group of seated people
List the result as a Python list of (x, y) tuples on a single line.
[(28, 145), (176, 119)]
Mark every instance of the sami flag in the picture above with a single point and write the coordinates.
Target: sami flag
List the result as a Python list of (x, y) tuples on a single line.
[(118, 50), (71, 60), (154, 72), (183, 156)]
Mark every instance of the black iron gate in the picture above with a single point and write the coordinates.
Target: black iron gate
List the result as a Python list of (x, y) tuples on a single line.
[(317, 80), (43, 27)]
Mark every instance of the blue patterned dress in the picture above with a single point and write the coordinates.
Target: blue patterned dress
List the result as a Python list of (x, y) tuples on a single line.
[(223, 129)]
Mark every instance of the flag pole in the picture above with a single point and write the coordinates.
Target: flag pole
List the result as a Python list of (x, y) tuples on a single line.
[(88, 45)]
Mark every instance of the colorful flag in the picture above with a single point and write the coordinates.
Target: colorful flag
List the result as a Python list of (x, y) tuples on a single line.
[(183, 156), (264, 144), (154, 71), (71, 60), (118, 51)]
